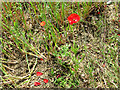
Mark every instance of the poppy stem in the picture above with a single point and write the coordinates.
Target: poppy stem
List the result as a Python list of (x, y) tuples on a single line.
[(71, 28)]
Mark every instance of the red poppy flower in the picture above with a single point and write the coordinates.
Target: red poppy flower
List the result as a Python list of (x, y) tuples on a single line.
[(42, 23), (45, 80), (39, 73), (73, 18), (41, 59), (36, 83)]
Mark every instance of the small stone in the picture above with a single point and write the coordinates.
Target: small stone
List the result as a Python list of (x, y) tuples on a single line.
[(82, 75), (109, 2)]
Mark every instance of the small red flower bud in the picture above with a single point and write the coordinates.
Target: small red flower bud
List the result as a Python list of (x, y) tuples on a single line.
[(45, 80), (103, 65), (105, 6), (39, 73), (36, 83), (98, 12), (59, 57), (58, 76), (42, 23), (41, 59), (118, 34), (73, 69)]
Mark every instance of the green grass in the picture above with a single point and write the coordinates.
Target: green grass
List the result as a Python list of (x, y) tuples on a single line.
[(81, 57)]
